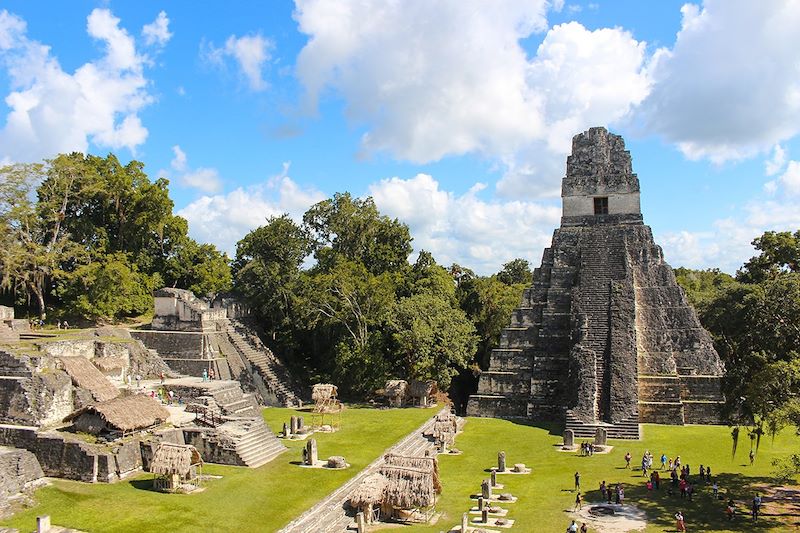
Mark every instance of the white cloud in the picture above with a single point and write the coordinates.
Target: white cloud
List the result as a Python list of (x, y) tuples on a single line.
[(790, 179), (730, 86), (204, 179), (179, 161), (433, 79), (250, 53), (465, 229), (728, 244), (52, 111), (223, 219), (157, 32), (774, 165)]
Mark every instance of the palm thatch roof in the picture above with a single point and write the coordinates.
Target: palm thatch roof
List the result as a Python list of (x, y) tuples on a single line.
[(408, 488), (86, 376), (126, 413), (420, 389), (323, 391), (370, 491), (395, 388), (171, 459), (428, 464)]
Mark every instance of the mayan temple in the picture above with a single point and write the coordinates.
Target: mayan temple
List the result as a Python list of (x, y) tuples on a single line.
[(604, 337)]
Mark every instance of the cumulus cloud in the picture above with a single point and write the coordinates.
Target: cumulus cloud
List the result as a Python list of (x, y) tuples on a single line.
[(204, 179), (727, 245), (53, 111), (790, 179), (223, 219), (774, 165), (730, 86), (250, 53), (431, 80), (466, 229), (157, 32)]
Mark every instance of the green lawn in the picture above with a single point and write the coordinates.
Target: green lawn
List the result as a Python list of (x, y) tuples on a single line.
[(545, 494), (262, 499)]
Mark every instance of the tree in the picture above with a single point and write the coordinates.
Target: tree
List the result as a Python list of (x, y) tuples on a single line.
[(109, 289), (353, 228), (515, 272), (201, 268), (432, 339), (267, 269), (780, 252), (426, 277)]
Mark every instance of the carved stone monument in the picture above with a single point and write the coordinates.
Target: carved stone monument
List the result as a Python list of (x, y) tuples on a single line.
[(501, 462), (310, 452), (600, 437), (604, 334), (569, 438), (486, 489)]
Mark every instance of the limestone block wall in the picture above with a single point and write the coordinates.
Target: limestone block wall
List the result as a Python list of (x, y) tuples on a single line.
[(18, 470), (40, 399), (618, 204)]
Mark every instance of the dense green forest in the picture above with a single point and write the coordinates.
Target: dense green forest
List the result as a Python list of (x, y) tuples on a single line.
[(87, 238)]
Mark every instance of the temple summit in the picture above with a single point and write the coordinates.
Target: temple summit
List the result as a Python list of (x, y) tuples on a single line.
[(604, 337)]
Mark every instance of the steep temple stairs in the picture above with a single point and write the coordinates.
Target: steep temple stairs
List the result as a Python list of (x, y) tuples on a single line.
[(604, 336), (254, 360)]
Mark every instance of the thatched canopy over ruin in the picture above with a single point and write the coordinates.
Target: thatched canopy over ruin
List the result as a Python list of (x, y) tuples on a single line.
[(395, 389), (323, 391), (370, 491), (86, 376), (409, 488), (126, 413), (422, 389), (177, 459), (445, 426)]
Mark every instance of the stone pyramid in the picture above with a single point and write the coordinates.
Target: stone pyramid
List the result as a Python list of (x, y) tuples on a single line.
[(605, 336)]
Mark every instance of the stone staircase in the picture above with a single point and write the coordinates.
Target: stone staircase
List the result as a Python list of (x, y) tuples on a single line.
[(258, 446), (627, 429), (233, 402), (273, 373)]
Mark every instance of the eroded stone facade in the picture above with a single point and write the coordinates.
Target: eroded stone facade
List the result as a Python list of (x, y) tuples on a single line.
[(604, 336)]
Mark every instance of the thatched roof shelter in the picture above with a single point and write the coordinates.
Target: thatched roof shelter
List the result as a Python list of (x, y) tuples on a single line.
[(445, 426), (323, 391), (422, 389), (427, 464), (369, 492), (179, 459), (395, 388), (408, 488), (125, 413), (85, 375)]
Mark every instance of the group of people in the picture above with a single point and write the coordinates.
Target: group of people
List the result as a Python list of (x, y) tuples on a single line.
[(587, 449)]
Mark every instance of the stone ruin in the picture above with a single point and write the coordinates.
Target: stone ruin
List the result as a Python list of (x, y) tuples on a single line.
[(196, 338), (604, 337)]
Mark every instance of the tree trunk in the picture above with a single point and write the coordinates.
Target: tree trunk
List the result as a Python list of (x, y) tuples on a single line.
[(40, 300)]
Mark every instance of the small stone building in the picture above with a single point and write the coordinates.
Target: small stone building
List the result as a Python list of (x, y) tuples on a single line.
[(395, 391), (119, 416)]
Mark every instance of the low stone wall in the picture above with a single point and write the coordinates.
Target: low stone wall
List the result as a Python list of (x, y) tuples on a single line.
[(172, 344), (41, 399), (659, 389), (702, 412), (18, 469), (701, 388), (212, 448)]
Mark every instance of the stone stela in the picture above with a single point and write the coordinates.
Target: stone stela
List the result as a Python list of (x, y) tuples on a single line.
[(604, 336)]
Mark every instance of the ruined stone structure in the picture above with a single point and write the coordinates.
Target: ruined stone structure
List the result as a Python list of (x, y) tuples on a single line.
[(604, 337), (193, 337)]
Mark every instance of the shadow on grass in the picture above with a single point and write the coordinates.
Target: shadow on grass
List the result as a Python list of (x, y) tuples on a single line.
[(553, 428), (704, 512), (142, 484)]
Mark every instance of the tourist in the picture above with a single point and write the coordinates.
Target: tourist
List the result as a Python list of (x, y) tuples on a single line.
[(578, 502), (211, 374), (679, 522), (677, 461), (689, 490), (162, 378), (730, 510), (628, 460), (657, 480), (609, 493), (205, 375), (682, 487), (621, 495), (66, 324), (171, 397), (138, 381), (573, 527), (670, 465), (756, 506), (702, 473), (663, 461), (708, 473), (715, 489), (674, 476), (752, 456), (584, 528), (650, 484), (577, 481), (644, 466), (603, 488)]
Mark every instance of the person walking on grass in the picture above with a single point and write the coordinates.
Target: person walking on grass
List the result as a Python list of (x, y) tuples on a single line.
[(663, 461), (756, 507), (584, 528), (752, 456), (708, 474), (578, 502), (628, 460), (573, 527), (577, 481), (680, 524)]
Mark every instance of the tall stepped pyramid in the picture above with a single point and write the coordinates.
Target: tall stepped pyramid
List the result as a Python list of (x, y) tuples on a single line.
[(604, 336)]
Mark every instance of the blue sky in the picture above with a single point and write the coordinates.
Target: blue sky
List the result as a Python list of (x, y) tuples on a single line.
[(455, 117)]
